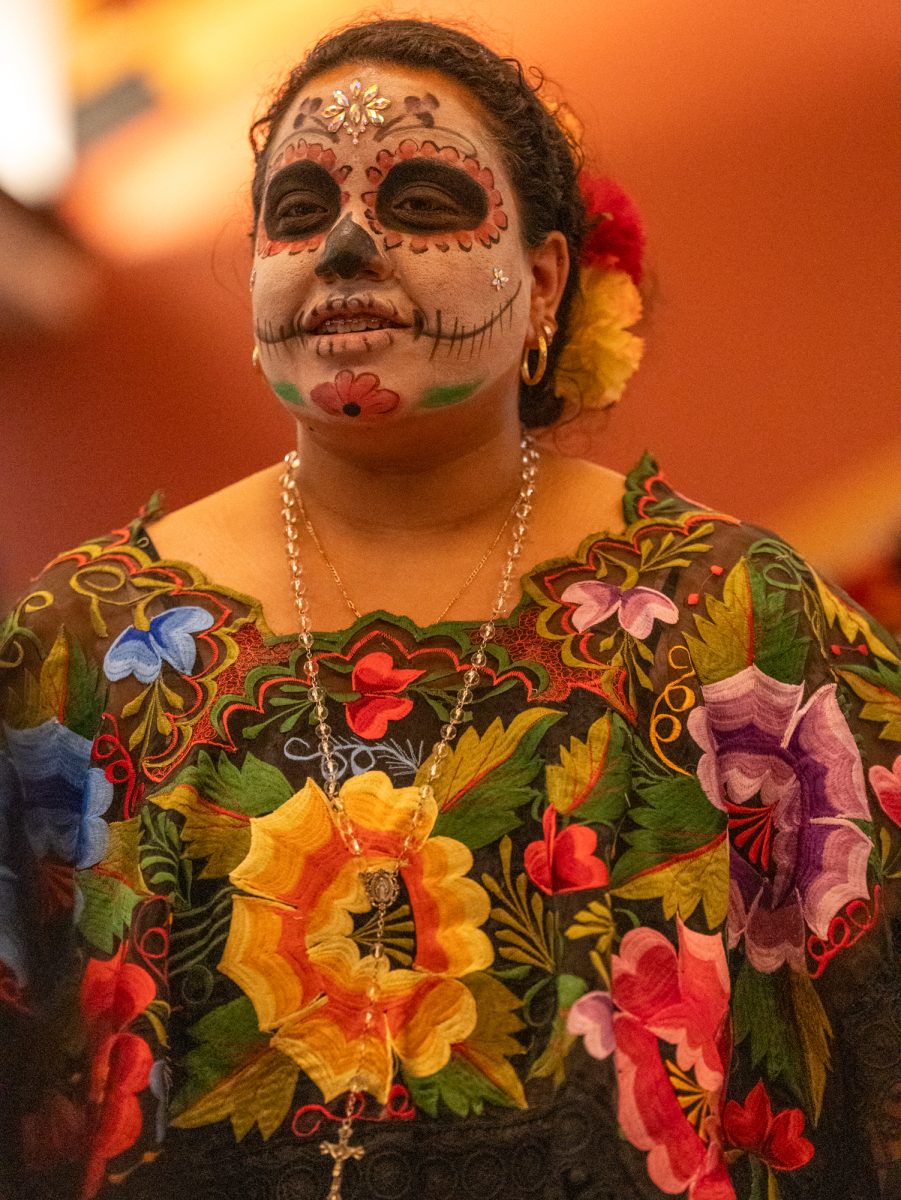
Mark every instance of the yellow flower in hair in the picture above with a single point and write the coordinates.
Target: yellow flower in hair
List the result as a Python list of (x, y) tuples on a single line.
[(601, 355)]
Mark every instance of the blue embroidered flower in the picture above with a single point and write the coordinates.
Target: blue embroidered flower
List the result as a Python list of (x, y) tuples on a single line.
[(170, 638), (63, 796)]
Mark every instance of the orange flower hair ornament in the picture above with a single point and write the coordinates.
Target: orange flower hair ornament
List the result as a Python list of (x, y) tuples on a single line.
[(602, 354)]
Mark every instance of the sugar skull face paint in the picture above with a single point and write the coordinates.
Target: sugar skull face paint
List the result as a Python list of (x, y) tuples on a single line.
[(378, 256)]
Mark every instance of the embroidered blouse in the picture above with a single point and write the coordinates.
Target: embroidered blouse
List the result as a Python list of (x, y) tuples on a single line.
[(643, 945)]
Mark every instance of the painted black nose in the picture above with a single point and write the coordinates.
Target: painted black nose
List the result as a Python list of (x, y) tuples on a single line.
[(348, 251)]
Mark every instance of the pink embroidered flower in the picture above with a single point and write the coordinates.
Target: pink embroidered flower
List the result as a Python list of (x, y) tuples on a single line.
[(379, 685), (791, 781), (637, 608), (776, 1139), (669, 1034), (591, 1017), (355, 396), (887, 786), (564, 862)]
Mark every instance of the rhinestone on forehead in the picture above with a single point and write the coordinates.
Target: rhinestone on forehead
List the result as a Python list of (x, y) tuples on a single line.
[(356, 108)]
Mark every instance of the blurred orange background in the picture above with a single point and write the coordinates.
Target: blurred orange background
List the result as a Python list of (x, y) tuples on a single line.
[(760, 142)]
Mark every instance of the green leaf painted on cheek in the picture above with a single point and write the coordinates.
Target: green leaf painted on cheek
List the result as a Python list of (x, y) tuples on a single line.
[(287, 392), (440, 397)]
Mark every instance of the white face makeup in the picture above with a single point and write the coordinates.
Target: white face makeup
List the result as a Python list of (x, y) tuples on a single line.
[(390, 271)]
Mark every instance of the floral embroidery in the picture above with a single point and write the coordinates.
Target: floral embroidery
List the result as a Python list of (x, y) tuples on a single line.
[(669, 1038), (778, 1140), (113, 994), (887, 786), (791, 781), (296, 949), (565, 861), (379, 685), (664, 756), (637, 608), (168, 638)]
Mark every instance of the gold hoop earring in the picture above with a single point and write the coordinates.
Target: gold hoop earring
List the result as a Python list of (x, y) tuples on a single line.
[(529, 379), (255, 359)]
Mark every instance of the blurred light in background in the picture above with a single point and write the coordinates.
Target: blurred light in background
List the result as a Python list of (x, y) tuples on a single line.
[(37, 133)]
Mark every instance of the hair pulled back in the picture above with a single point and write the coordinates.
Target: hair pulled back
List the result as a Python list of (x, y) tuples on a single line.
[(541, 161)]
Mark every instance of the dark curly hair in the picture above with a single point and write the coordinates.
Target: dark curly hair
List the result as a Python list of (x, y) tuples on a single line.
[(542, 161)]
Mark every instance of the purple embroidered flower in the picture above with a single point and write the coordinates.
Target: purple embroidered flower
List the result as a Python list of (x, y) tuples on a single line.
[(791, 781), (142, 652), (637, 608)]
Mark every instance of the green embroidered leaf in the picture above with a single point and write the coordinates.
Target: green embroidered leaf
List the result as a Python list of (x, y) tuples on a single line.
[(814, 1033), (254, 788), (851, 621), (592, 781), (492, 1043), (234, 1073), (121, 859), (488, 778), (108, 905), (460, 1087), (779, 650), (206, 832), (760, 1006), (725, 643), (882, 699), (684, 883), (675, 819)]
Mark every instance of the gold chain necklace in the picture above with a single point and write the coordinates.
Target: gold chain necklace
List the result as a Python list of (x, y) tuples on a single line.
[(314, 537), (383, 886)]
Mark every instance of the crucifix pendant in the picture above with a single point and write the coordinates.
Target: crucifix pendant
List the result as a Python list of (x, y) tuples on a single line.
[(340, 1152)]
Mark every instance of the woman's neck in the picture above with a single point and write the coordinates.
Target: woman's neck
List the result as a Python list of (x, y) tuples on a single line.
[(420, 485)]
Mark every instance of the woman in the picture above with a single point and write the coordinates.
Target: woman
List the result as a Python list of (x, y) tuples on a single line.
[(584, 893)]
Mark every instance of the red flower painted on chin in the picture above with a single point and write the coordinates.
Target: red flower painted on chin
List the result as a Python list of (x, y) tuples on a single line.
[(564, 862), (776, 1139), (355, 396), (379, 684)]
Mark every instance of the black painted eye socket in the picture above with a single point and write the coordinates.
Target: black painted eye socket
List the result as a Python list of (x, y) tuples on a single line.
[(420, 195), (301, 200)]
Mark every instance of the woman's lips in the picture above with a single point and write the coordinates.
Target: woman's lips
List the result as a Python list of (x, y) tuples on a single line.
[(354, 341)]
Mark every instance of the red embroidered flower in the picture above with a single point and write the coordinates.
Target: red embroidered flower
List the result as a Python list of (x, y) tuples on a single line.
[(113, 994), (379, 684), (564, 862), (355, 396), (887, 786), (776, 1139)]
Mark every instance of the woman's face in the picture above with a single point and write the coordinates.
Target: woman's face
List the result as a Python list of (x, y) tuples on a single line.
[(390, 273)]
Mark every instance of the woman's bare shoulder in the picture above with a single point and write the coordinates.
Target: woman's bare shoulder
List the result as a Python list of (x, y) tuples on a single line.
[(219, 531)]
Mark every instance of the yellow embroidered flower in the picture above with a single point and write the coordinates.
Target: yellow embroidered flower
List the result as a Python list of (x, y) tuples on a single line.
[(601, 355), (298, 939)]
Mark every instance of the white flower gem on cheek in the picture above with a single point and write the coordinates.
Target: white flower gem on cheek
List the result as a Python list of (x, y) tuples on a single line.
[(500, 279)]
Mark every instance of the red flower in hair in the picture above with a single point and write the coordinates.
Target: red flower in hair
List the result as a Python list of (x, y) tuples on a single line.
[(776, 1139), (616, 237)]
